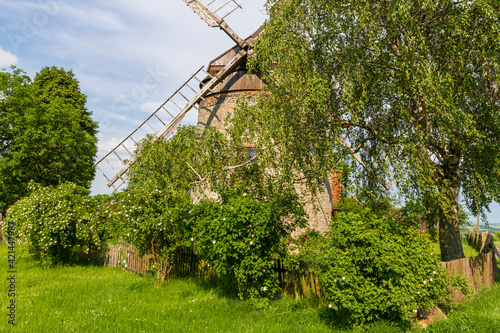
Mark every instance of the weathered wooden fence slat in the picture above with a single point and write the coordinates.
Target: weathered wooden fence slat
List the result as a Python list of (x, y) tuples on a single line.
[(480, 271)]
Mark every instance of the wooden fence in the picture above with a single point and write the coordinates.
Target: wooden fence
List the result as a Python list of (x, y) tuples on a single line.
[(296, 283), (184, 264), (482, 242), (480, 271)]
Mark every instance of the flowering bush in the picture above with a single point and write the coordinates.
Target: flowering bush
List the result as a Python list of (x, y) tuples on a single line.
[(55, 221), (372, 267), (156, 222), (241, 237)]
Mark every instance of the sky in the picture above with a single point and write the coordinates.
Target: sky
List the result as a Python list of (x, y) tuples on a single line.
[(129, 56)]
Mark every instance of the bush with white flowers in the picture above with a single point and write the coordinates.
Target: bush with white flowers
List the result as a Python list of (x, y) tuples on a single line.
[(373, 267), (241, 237), (156, 222), (54, 221)]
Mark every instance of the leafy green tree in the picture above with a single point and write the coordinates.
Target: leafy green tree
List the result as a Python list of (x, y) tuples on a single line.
[(46, 133), (153, 212), (411, 86)]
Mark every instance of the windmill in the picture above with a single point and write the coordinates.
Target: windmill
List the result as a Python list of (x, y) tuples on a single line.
[(212, 92), (218, 77)]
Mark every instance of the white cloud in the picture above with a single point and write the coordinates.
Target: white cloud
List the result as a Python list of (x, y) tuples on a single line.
[(7, 59)]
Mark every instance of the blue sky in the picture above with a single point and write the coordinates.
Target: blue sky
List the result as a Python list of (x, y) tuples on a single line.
[(114, 46)]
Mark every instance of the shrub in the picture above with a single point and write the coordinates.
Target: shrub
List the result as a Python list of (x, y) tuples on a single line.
[(241, 237), (156, 222), (55, 222), (372, 267)]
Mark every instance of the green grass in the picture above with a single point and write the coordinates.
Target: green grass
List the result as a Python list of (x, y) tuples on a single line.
[(480, 314), (97, 299), (469, 251), (496, 238)]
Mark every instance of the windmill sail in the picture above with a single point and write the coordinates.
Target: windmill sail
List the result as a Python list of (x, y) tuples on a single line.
[(169, 114), (210, 14), (115, 163)]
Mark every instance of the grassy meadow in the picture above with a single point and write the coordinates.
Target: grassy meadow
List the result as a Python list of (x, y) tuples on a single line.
[(98, 299)]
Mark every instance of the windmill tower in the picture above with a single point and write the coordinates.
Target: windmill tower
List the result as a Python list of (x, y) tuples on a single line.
[(213, 92), (216, 106)]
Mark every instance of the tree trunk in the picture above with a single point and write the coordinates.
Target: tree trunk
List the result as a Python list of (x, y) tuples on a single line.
[(449, 229)]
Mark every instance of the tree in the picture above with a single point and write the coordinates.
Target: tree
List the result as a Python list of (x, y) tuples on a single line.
[(246, 216), (46, 133), (412, 86)]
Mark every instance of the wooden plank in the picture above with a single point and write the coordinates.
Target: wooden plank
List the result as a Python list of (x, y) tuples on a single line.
[(175, 122), (213, 20)]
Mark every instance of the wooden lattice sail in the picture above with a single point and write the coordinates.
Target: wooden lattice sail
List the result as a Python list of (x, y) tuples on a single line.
[(168, 116)]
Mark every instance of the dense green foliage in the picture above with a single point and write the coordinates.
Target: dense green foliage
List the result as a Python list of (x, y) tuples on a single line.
[(155, 221), (373, 267), (412, 87), (245, 217), (153, 212), (241, 237), (46, 133), (58, 223)]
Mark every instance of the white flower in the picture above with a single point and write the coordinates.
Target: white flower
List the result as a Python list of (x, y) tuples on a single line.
[(264, 288), (192, 239), (213, 242), (251, 242)]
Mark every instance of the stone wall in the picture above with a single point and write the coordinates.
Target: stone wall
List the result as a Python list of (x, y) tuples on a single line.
[(318, 207), (214, 109), (213, 112)]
